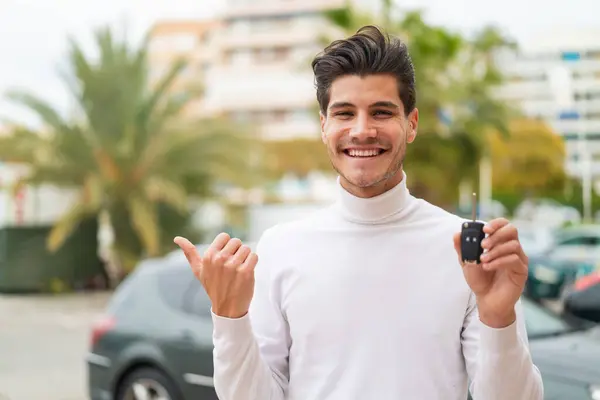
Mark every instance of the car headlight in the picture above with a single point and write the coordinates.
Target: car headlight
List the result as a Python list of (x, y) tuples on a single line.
[(545, 274), (594, 392)]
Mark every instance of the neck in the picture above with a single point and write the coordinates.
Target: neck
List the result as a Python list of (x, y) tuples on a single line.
[(375, 206), (375, 190)]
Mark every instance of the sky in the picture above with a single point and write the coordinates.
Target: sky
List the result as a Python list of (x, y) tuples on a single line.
[(33, 33)]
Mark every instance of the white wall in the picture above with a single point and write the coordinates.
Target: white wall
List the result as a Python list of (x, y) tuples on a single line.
[(41, 205)]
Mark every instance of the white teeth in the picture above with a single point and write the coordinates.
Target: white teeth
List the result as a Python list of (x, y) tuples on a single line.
[(362, 153)]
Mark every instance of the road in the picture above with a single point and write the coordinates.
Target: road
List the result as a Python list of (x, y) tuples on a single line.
[(43, 341)]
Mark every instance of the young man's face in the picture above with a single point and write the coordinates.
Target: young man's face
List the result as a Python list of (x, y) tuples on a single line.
[(366, 132)]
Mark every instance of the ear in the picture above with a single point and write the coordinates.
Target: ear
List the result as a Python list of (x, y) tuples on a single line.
[(413, 123), (323, 119)]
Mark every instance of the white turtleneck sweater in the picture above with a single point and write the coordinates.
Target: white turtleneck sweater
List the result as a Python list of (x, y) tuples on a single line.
[(366, 300)]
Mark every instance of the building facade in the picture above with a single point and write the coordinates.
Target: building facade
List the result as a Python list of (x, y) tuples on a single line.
[(263, 75), (190, 41), (556, 77), (254, 62)]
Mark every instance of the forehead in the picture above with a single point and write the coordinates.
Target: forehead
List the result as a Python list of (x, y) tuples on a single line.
[(364, 91)]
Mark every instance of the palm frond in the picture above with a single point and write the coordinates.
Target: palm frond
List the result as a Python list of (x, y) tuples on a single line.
[(22, 146), (67, 224), (40, 107), (170, 192), (161, 91)]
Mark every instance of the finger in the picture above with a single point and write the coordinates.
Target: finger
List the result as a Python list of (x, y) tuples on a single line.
[(511, 262), (250, 263), (219, 243), (240, 256), (190, 251), (501, 250), (216, 246), (502, 235), (495, 225), (231, 247)]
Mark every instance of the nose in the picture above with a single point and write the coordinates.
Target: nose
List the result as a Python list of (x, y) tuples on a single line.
[(362, 128)]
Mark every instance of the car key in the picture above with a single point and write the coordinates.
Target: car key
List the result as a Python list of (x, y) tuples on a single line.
[(471, 237)]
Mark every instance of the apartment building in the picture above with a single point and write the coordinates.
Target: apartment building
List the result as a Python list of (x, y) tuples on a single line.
[(263, 76), (556, 77), (253, 63), (192, 41)]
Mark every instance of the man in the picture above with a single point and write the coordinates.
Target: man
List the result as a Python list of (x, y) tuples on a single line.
[(367, 299)]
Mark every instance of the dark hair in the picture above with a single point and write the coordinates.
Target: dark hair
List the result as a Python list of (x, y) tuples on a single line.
[(369, 51)]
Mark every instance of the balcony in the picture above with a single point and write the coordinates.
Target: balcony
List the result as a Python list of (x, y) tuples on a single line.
[(574, 127), (283, 38), (231, 90)]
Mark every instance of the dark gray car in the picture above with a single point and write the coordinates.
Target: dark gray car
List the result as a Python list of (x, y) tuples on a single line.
[(155, 342), (567, 352)]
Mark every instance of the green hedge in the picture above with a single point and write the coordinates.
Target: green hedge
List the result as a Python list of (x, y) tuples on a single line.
[(27, 266)]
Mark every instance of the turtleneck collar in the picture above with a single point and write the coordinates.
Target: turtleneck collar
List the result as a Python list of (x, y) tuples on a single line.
[(376, 209)]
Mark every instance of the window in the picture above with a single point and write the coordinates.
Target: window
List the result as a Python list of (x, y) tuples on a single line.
[(173, 284), (197, 301), (124, 296), (181, 42), (267, 55), (580, 241)]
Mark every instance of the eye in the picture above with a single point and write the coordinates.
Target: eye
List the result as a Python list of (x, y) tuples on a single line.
[(382, 113), (343, 114)]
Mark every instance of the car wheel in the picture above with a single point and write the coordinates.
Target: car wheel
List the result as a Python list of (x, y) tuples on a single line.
[(147, 384)]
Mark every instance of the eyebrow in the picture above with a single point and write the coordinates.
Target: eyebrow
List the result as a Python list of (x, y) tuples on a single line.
[(343, 104)]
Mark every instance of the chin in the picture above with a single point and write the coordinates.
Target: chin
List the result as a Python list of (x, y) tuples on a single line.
[(364, 181)]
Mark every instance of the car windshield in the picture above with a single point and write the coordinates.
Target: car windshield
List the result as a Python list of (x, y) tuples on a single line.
[(542, 322)]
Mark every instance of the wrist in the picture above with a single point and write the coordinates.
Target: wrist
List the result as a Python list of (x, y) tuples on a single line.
[(497, 320), (225, 312)]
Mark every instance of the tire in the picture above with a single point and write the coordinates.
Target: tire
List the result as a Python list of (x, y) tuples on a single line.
[(150, 379)]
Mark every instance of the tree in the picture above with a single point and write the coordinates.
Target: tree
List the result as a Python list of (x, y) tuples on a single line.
[(296, 156), (127, 152), (530, 161)]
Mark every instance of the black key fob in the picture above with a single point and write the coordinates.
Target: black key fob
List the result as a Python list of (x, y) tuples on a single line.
[(471, 237)]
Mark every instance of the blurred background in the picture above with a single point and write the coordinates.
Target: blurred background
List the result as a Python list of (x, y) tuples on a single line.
[(123, 125)]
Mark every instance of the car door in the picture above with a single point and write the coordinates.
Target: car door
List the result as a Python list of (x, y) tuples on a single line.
[(185, 339), (197, 360)]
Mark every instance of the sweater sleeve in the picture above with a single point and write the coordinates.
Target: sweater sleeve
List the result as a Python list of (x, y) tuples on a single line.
[(251, 353), (498, 361)]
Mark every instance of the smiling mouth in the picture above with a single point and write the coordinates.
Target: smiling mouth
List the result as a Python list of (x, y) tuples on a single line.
[(363, 153)]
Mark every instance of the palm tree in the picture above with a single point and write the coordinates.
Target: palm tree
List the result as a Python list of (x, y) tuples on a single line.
[(128, 154), (477, 113)]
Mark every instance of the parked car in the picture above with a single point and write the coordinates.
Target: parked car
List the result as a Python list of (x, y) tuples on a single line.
[(551, 279), (155, 342), (576, 243), (535, 239), (584, 299), (567, 352)]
